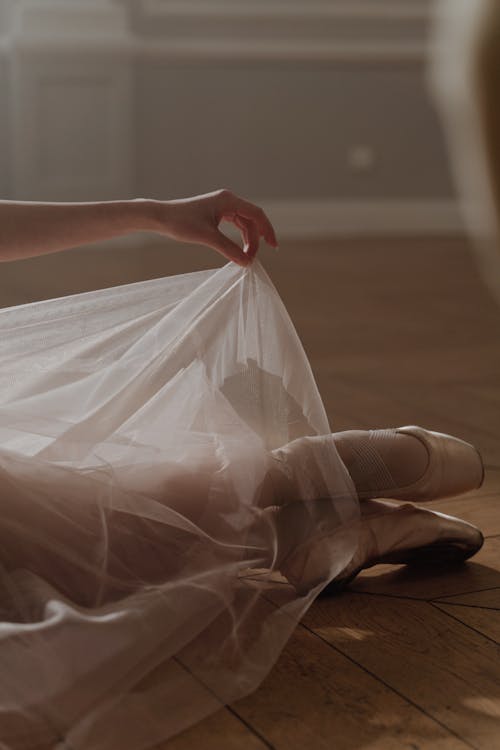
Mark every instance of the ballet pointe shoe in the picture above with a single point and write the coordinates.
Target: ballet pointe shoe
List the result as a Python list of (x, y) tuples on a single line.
[(403, 533), (309, 535), (453, 467), (305, 568)]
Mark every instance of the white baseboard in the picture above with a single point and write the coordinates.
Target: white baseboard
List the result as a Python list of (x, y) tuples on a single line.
[(388, 10), (331, 218)]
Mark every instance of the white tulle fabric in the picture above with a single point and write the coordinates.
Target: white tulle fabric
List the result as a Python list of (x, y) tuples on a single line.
[(139, 583)]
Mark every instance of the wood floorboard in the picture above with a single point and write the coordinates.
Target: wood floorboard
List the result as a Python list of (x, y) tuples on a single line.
[(319, 699), (439, 664), (487, 599), (485, 621)]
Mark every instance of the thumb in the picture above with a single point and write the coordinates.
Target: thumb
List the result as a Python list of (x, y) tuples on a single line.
[(218, 241)]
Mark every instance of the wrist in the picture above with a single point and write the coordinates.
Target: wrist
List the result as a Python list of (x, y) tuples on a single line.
[(144, 215)]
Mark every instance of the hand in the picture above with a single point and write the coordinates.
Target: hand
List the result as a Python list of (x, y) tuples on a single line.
[(197, 220)]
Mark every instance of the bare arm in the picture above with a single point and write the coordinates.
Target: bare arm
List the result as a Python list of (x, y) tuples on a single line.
[(30, 229)]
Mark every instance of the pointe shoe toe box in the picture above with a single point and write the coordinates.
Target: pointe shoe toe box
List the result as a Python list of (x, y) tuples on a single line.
[(455, 466), (451, 540)]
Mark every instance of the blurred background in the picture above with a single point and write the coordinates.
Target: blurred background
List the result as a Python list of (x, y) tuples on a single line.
[(353, 123), (320, 111), (369, 131)]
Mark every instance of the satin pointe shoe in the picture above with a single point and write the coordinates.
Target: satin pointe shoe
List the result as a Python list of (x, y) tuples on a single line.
[(307, 537), (403, 533), (383, 466)]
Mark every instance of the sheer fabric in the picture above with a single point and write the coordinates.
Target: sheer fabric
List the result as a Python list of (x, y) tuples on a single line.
[(140, 431)]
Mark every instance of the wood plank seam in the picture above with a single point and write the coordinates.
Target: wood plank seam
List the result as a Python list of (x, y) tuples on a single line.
[(443, 599), (378, 678), (408, 597), (251, 728), (226, 708), (390, 687), (465, 624), (353, 590), (460, 604)]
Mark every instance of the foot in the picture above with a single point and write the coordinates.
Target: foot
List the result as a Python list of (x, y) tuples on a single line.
[(403, 533), (305, 469), (308, 542), (409, 463)]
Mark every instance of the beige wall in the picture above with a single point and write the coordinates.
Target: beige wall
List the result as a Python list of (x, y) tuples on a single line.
[(308, 115), (4, 130), (287, 131)]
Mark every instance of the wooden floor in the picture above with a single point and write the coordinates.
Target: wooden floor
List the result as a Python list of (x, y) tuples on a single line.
[(398, 332)]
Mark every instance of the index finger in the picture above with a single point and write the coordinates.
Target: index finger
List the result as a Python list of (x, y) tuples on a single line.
[(255, 214)]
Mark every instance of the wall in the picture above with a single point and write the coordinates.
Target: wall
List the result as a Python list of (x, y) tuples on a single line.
[(320, 110), (289, 131), (4, 129)]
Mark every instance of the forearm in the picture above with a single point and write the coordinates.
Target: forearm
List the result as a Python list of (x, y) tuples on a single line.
[(29, 229)]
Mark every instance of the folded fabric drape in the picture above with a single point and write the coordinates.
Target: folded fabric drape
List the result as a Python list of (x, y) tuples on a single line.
[(138, 563)]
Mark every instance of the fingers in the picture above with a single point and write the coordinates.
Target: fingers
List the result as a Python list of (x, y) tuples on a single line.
[(197, 220), (250, 235), (233, 206), (228, 248)]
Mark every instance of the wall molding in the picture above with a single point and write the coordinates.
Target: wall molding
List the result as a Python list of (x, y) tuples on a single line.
[(362, 30), (58, 17), (194, 51), (269, 50), (202, 30), (309, 219), (387, 10)]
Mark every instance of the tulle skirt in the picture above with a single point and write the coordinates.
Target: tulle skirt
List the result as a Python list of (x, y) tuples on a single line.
[(138, 559)]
